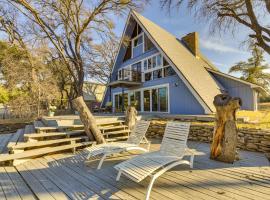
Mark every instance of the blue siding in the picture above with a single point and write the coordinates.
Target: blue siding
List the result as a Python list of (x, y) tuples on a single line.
[(181, 99), (238, 89), (137, 51)]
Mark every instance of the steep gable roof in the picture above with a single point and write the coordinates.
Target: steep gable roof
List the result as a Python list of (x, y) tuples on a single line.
[(192, 70)]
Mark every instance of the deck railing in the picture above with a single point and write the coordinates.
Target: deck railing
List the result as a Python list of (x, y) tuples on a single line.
[(129, 75)]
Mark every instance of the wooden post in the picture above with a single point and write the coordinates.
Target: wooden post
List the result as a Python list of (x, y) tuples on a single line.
[(88, 120), (131, 117), (224, 143)]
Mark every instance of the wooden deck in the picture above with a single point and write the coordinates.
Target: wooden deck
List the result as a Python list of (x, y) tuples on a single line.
[(66, 176)]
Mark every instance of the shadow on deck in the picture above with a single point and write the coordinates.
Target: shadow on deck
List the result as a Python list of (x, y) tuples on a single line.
[(66, 176)]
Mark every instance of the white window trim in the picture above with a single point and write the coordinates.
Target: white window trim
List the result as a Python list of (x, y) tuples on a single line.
[(132, 43), (141, 90), (128, 67)]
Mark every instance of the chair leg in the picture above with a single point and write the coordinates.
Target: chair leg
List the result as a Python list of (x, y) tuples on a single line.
[(191, 160), (150, 187), (162, 171), (118, 175), (101, 161)]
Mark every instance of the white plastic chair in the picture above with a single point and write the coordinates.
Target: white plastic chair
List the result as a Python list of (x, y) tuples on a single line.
[(135, 138), (172, 150)]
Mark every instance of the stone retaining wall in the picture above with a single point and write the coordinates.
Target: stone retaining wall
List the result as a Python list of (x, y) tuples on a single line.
[(248, 138), (11, 128)]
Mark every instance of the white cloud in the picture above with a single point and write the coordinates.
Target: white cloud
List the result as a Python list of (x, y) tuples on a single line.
[(219, 46)]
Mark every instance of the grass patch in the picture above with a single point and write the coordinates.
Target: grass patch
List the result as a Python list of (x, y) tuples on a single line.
[(257, 119)]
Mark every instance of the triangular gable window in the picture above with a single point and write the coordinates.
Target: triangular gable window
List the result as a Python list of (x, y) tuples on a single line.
[(148, 45)]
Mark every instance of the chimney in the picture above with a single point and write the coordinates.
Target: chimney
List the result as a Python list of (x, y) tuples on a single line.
[(191, 40)]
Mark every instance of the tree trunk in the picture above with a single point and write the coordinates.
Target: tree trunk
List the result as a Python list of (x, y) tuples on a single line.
[(224, 143), (131, 117), (88, 120)]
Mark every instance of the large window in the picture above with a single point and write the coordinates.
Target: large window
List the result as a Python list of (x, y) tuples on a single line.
[(155, 100), (138, 100), (148, 45), (138, 41), (118, 101), (163, 99), (135, 99), (146, 100), (156, 67), (160, 100), (138, 45), (124, 73), (150, 100)]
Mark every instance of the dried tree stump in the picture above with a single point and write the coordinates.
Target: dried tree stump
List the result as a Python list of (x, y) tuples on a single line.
[(88, 120), (224, 143), (131, 117)]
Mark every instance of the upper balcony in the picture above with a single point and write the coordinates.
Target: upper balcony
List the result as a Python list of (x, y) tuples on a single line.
[(126, 78)]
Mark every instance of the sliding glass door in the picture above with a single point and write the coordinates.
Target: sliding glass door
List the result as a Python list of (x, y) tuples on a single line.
[(162, 100), (146, 100), (150, 100), (119, 101)]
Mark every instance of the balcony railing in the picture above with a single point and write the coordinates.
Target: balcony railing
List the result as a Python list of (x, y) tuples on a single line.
[(129, 75)]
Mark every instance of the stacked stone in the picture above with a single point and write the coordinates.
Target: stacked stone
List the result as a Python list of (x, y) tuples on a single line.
[(10, 128), (156, 128), (248, 138), (202, 133), (254, 139)]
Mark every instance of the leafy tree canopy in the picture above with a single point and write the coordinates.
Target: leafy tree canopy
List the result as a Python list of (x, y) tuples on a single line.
[(254, 69)]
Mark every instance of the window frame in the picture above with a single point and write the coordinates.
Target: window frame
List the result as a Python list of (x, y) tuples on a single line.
[(132, 43), (141, 91)]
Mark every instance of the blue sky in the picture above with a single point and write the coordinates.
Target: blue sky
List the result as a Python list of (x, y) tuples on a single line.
[(223, 50)]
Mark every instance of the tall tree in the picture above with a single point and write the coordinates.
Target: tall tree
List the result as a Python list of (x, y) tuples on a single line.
[(17, 69), (225, 15), (67, 24), (254, 69)]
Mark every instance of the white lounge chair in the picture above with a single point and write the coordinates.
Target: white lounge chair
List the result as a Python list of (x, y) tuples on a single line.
[(135, 138), (154, 164)]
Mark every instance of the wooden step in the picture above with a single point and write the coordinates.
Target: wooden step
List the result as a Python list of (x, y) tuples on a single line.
[(114, 139), (117, 132), (113, 127), (22, 146), (58, 128), (110, 123), (15, 137), (37, 136), (46, 129), (19, 158)]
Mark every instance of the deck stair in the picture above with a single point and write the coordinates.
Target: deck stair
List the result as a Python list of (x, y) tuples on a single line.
[(18, 158), (52, 135), (114, 131), (36, 140)]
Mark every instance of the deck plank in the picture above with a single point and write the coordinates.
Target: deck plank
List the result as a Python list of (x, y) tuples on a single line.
[(34, 183), (69, 185), (7, 186), (66, 176), (97, 184), (52, 189)]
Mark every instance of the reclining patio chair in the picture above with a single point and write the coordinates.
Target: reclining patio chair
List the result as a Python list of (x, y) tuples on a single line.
[(154, 164), (135, 138)]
